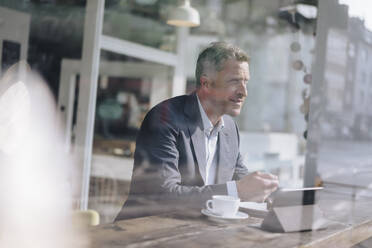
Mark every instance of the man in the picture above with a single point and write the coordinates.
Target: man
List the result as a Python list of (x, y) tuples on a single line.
[(188, 146)]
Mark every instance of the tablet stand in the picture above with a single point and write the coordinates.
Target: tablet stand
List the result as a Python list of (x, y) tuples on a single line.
[(294, 218)]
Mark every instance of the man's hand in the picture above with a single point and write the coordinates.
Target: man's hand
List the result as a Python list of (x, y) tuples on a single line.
[(257, 186)]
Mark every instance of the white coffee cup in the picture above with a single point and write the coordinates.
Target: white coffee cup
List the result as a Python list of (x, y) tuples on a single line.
[(223, 205)]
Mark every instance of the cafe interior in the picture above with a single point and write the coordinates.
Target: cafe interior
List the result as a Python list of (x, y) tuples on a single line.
[(77, 78)]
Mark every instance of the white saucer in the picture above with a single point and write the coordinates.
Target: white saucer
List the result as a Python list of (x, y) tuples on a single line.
[(254, 206), (255, 209), (238, 216)]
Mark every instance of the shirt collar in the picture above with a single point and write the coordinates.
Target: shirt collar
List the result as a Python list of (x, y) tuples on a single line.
[(207, 124)]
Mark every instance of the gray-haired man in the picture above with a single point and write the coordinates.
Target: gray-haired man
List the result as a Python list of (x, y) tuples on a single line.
[(188, 146)]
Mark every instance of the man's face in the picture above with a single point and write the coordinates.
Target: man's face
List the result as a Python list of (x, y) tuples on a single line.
[(228, 87)]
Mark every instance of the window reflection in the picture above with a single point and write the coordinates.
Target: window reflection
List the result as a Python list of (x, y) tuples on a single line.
[(142, 22), (340, 136), (299, 73), (127, 88)]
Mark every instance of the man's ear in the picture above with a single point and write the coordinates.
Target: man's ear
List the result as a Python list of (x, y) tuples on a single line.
[(204, 81)]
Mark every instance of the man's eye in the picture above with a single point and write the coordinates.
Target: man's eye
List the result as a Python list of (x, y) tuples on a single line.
[(238, 82)]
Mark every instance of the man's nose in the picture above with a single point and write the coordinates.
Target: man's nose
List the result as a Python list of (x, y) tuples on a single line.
[(242, 90)]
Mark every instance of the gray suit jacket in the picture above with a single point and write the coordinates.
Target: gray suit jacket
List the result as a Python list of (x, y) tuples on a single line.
[(170, 146)]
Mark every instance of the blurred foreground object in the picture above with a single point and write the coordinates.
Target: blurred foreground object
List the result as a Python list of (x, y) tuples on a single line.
[(86, 217), (35, 170)]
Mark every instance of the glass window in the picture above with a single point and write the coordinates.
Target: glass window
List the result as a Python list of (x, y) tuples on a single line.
[(307, 117)]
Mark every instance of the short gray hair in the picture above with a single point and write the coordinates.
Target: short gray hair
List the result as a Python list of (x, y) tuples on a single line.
[(216, 54)]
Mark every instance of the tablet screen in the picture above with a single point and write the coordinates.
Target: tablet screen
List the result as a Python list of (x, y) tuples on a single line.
[(294, 197)]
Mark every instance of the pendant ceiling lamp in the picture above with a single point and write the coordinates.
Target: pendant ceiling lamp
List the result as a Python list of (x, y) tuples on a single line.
[(184, 16)]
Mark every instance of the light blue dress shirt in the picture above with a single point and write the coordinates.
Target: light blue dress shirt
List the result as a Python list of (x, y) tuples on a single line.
[(208, 170)]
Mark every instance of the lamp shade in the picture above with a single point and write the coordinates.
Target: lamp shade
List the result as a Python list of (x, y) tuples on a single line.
[(184, 16)]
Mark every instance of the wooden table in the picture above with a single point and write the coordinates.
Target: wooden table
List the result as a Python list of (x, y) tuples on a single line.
[(351, 224)]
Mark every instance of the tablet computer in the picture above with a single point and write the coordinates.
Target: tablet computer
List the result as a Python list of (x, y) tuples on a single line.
[(293, 197), (294, 210)]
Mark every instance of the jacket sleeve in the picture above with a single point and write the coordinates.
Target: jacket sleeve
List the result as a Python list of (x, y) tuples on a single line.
[(156, 173)]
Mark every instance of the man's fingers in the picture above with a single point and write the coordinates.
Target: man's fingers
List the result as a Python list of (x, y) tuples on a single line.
[(264, 196), (268, 176), (270, 184), (257, 186)]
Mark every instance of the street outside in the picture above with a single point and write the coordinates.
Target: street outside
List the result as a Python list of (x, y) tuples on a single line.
[(347, 163)]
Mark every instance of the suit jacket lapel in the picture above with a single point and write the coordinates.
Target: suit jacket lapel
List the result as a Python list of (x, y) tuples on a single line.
[(195, 126)]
